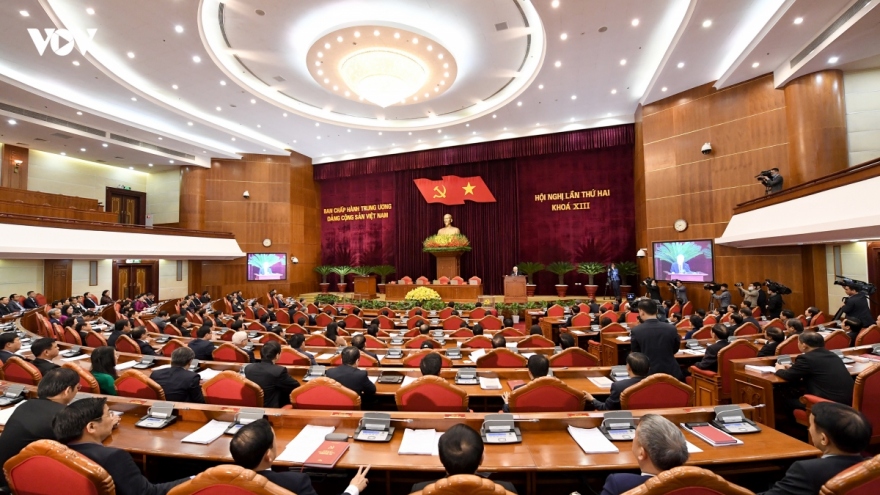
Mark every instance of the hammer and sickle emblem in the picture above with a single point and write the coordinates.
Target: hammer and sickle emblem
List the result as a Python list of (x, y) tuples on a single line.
[(440, 194)]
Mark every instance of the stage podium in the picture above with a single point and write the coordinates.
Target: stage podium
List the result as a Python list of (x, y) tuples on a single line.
[(515, 289)]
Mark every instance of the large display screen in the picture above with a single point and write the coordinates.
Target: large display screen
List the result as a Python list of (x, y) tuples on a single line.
[(689, 261), (266, 266)]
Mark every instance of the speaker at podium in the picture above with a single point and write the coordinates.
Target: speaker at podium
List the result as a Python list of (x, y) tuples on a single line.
[(515, 289)]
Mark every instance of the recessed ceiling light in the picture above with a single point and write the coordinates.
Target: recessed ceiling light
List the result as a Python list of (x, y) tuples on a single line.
[(76, 63), (171, 161), (82, 149), (339, 39), (197, 59), (105, 145), (130, 54), (233, 139), (335, 88), (63, 154), (558, 63), (494, 116), (467, 125), (563, 36), (380, 133), (623, 61), (159, 138), (430, 49), (519, 103), (253, 101), (554, 3), (357, 34), (173, 86), (90, 11), (833, 60), (222, 83), (475, 133), (259, 126), (24, 13), (149, 164), (572, 119), (320, 54), (410, 134), (799, 20), (376, 33), (178, 28), (327, 45), (79, 113), (219, 109), (326, 81), (349, 130), (131, 168), (134, 99), (440, 56), (319, 138), (680, 65), (397, 36), (285, 114), (317, 124), (755, 65), (505, 128), (635, 22), (189, 124), (614, 91), (574, 97), (707, 23), (664, 88), (415, 41), (438, 131), (608, 114), (540, 86), (12, 122)]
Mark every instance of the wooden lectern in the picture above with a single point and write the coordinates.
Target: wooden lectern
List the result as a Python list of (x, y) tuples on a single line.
[(515, 289), (365, 287), (448, 263)]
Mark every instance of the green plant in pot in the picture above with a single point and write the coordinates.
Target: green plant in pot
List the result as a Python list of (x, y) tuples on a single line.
[(560, 268), (530, 268), (342, 271), (591, 269), (626, 269), (383, 271), (323, 271)]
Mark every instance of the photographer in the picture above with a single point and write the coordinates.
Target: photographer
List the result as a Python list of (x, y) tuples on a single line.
[(771, 179), (654, 291), (679, 291), (750, 294), (723, 297), (774, 302), (856, 305)]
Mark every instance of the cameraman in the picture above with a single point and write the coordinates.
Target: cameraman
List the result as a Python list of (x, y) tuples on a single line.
[(723, 297), (680, 292), (653, 290), (750, 294), (856, 306), (774, 302), (772, 182)]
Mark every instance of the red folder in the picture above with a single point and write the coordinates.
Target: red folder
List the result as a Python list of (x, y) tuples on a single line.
[(327, 455), (714, 435), (515, 384)]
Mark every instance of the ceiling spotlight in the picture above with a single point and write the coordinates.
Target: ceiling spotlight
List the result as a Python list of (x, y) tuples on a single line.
[(445, 66), (173, 86), (189, 124), (76, 63), (160, 138), (339, 39), (320, 72), (171, 162), (574, 97), (79, 113), (505, 128), (635, 22), (540, 86), (130, 54), (376, 33), (222, 83), (82, 149), (219, 109), (335, 88), (519, 103), (134, 99), (415, 41), (440, 56), (380, 133), (680, 65), (197, 59), (320, 54), (12, 122), (707, 23), (349, 130), (799, 20), (558, 63), (563, 36), (494, 116), (327, 45), (24, 13), (397, 36), (357, 34), (259, 126), (63, 154), (178, 28), (90, 11), (755, 65), (149, 164), (833, 60), (285, 114), (431, 48), (253, 101), (614, 91), (438, 131), (475, 133), (105, 145), (233, 139), (623, 61), (554, 3), (664, 88), (326, 81)]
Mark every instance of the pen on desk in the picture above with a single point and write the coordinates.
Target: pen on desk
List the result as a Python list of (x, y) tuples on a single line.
[(402, 420)]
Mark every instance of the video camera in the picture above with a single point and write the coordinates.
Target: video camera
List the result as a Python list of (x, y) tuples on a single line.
[(856, 285), (712, 286), (765, 174), (777, 287), (648, 281), (673, 283), (738, 284)]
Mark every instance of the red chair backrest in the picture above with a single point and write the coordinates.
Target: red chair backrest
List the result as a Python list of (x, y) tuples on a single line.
[(445, 313), (838, 339), (415, 359), (632, 317), (18, 370), (444, 280), (788, 346), (555, 310), (703, 333), (710, 320), (533, 341), (656, 392), (452, 322), (364, 361), (415, 321), (323, 319), (230, 353), (385, 322), (352, 321), (687, 309), (71, 336), (491, 323), (573, 357), (171, 346), (756, 312), (231, 389), (675, 309), (324, 394), (512, 332), (318, 340), (777, 323), (249, 313), (172, 330), (738, 349), (502, 358), (291, 357), (747, 328), (282, 317), (416, 342), (869, 336), (462, 333), (136, 385), (478, 313), (94, 339), (125, 344), (478, 342), (295, 328), (546, 394), (47, 467), (583, 320), (374, 343), (866, 397), (819, 319), (431, 394), (299, 314)]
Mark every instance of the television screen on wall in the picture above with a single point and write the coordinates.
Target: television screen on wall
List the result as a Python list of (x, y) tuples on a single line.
[(688, 261), (266, 266)]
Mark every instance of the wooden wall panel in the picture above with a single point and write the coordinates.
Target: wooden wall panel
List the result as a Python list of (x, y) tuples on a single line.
[(9, 175), (746, 125)]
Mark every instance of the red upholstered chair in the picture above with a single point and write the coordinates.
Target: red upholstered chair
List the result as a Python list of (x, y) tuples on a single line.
[(329, 309), (312, 309), (318, 340), (837, 339), (584, 308), (352, 321), (444, 280), (861, 479), (676, 308), (230, 353), (477, 342), (686, 480), (70, 472), (295, 328), (614, 328), (703, 333), (228, 480), (282, 317), (171, 346), (423, 280), (95, 339), (788, 346), (457, 279), (451, 322), (535, 341), (777, 323), (710, 320), (226, 336), (414, 322), (249, 313), (632, 318), (583, 320), (687, 309), (291, 357), (546, 394), (299, 314), (866, 398), (255, 325), (462, 333), (364, 361), (713, 388), (606, 306), (574, 357), (725, 318), (684, 325), (412, 313), (415, 359), (325, 394), (272, 337), (385, 322), (502, 358), (374, 343), (323, 319), (416, 343), (70, 336), (512, 332), (445, 313), (491, 323), (869, 336), (134, 384), (431, 394), (172, 330), (151, 327), (478, 313), (87, 382), (229, 388), (463, 484), (475, 280), (18, 370), (747, 328), (756, 312), (555, 311), (126, 344), (412, 332), (819, 319), (656, 392)]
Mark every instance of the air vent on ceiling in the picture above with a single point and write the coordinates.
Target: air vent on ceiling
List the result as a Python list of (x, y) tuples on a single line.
[(61, 135), (153, 147), (834, 27), (248, 69), (101, 161), (279, 78), (501, 26), (297, 100), (222, 22), (119, 157), (52, 120), (21, 144), (39, 139)]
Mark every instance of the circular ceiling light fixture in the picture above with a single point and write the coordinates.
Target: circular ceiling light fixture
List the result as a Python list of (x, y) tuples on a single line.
[(383, 76)]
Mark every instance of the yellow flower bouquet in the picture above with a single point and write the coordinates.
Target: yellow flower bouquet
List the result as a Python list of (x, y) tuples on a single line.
[(422, 294), (446, 242)]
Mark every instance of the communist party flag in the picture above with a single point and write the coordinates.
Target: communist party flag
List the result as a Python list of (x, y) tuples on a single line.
[(454, 190)]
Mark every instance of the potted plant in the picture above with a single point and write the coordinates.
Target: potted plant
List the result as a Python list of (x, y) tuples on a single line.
[(324, 270), (626, 269), (342, 271), (560, 268), (530, 268), (383, 271), (591, 269)]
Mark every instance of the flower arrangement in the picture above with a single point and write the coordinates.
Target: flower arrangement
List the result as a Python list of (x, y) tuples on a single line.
[(443, 242), (422, 294)]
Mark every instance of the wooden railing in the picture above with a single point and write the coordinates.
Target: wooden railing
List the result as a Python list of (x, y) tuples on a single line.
[(851, 175), (69, 223), (47, 199), (20, 208)]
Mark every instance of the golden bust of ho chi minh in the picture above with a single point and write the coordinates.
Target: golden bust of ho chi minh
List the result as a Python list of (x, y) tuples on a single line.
[(448, 229)]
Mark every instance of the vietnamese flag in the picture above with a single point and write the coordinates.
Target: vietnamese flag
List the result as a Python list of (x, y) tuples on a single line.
[(454, 190)]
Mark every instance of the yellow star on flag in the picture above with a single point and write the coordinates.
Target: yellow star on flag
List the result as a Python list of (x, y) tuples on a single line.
[(469, 189)]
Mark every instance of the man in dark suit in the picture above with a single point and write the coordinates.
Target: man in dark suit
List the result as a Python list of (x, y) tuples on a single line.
[(273, 379), (31, 301), (32, 420), (574, 312), (4, 306), (88, 303), (772, 338), (637, 365), (360, 342), (852, 327), (44, 350), (749, 318), (841, 433), (822, 372), (121, 327), (659, 341), (296, 342), (658, 446), (461, 452), (594, 306), (206, 297), (160, 320), (515, 272), (13, 303), (203, 348), (253, 447), (350, 376), (710, 358), (179, 383), (9, 345), (774, 303), (83, 426), (856, 306)]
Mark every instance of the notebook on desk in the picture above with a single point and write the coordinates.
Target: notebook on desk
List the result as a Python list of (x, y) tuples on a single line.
[(326, 455)]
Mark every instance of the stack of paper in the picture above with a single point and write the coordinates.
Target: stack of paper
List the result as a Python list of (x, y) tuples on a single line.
[(305, 443), (322, 357), (7, 413), (208, 433), (624, 338), (490, 383), (164, 366), (373, 378), (420, 442), (760, 369), (477, 354), (126, 365), (76, 358), (208, 373), (601, 381), (693, 352), (528, 354), (577, 332), (511, 345), (592, 441), (408, 379)]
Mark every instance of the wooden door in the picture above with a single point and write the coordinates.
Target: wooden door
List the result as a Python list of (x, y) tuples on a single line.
[(874, 275), (130, 207), (131, 279), (57, 279)]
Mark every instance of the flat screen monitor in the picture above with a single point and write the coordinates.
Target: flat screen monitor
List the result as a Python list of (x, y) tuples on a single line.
[(688, 261), (266, 266)]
